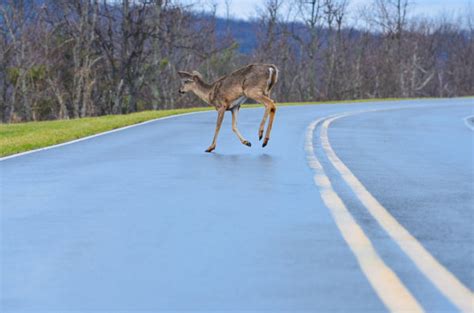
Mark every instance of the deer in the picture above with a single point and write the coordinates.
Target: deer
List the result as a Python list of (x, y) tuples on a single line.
[(228, 93)]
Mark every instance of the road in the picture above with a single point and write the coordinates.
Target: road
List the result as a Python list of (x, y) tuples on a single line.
[(367, 211)]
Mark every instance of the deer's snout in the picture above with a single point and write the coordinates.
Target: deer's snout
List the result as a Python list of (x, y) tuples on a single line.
[(181, 91)]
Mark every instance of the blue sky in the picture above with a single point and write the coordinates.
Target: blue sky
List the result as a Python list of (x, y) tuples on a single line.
[(247, 8)]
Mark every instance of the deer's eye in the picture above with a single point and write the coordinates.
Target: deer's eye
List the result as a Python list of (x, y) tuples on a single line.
[(188, 81)]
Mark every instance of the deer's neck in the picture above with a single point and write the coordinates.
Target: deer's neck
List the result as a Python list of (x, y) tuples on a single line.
[(203, 91)]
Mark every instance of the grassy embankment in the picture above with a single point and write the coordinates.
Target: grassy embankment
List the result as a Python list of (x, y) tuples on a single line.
[(20, 137)]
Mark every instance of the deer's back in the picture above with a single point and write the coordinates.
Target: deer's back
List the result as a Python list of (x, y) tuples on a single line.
[(236, 84)]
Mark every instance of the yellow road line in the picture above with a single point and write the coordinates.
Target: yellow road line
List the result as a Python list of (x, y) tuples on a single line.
[(393, 293), (444, 280)]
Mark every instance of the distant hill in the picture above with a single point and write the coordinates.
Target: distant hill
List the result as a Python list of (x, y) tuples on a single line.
[(243, 32)]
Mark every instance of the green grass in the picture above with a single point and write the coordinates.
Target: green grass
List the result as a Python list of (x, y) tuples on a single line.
[(20, 137)]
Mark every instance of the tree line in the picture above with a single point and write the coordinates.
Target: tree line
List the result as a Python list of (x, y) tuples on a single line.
[(75, 58)]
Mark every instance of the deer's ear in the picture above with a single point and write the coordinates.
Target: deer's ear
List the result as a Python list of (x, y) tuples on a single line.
[(197, 75), (184, 74)]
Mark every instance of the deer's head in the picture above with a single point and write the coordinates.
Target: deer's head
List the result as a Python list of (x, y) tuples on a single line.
[(189, 81)]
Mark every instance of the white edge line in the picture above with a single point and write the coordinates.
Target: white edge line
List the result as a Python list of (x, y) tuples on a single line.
[(104, 133), (384, 281), (98, 135), (469, 124)]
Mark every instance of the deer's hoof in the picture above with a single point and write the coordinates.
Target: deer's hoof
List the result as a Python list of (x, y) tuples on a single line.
[(210, 149), (260, 136), (247, 143), (265, 142)]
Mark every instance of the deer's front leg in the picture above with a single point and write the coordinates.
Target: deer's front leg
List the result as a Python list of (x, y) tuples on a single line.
[(235, 115), (220, 118)]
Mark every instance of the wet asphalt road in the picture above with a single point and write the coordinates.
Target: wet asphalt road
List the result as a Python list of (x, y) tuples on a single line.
[(143, 220)]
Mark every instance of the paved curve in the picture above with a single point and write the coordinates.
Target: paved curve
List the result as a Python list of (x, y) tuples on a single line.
[(144, 220)]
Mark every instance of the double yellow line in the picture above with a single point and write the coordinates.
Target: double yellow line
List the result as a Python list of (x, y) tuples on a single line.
[(393, 293)]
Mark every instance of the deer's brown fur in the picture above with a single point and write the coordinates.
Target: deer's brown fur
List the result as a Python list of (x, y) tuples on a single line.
[(254, 81)]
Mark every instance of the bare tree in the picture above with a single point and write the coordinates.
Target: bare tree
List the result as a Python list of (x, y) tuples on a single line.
[(76, 58), (15, 31)]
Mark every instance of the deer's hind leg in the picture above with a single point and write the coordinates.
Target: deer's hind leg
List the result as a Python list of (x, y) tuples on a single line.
[(270, 109), (235, 115), (262, 124)]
